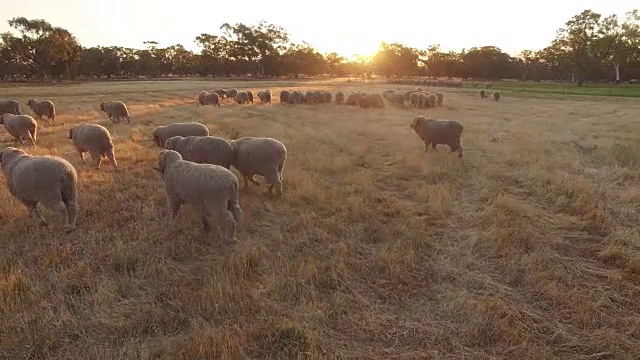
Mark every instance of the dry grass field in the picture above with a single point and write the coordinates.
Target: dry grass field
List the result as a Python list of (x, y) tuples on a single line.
[(525, 248)]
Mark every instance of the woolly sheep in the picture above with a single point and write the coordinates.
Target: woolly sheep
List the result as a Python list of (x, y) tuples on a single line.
[(423, 100), (414, 99), (209, 98), (284, 96), (202, 149), (231, 93), (21, 127), (354, 99), (371, 100), (317, 97), (9, 107), (294, 97), (94, 139), (339, 97), (432, 99), (48, 180), (242, 97), (434, 132), (115, 110), (386, 93), (208, 188), (250, 96), (440, 97), (396, 99), (265, 97), (483, 93), (162, 133), (326, 97), (43, 108), (260, 156), (307, 97), (221, 93), (495, 96)]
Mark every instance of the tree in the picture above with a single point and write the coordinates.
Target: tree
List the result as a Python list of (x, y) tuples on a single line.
[(618, 42), (526, 60), (579, 39), (396, 60)]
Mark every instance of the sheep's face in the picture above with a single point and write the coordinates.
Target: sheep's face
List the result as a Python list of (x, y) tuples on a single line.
[(2, 118), (170, 144), (167, 157), (71, 132), (31, 103), (102, 105)]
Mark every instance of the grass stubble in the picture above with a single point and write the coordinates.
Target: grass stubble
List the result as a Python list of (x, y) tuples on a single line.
[(528, 247)]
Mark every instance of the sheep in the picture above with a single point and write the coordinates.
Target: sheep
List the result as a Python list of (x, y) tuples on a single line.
[(208, 188), (48, 180), (250, 96), (353, 99), (162, 133), (231, 93), (432, 99), (495, 96), (307, 97), (326, 97), (317, 97), (21, 127), (43, 108), (115, 110), (386, 93), (294, 97), (209, 98), (372, 100), (414, 98), (396, 99), (94, 139), (440, 97), (423, 100), (242, 97), (265, 97), (220, 93), (202, 149), (260, 156), (434, 132), (10, 107), (284, 96), (483, 93), (339, 98)]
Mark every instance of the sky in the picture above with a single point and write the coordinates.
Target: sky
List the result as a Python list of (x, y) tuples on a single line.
[(346, 27)]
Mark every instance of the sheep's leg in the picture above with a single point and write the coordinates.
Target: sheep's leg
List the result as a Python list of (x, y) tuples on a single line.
[(226, 219), (174, 204), (72, 211), (112, 159), (426, 146), (34, 211), (97, 159), (82, 156), (274, 183), (204, 218), (128, 120)]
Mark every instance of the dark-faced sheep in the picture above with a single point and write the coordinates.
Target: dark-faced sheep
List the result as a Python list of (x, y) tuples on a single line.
[(47, 180), (96, 140), (115, 110), (21, 127), (210, 189), (434, 132), (43, 108), (161, 133), (202, 149), (9, 107), (260, 156)]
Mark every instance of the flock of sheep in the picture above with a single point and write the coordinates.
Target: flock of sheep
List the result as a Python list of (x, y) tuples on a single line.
[(195, 166)]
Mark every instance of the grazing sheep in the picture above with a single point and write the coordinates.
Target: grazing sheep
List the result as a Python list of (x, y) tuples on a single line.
[(387, 93), (353, 99), (221, 93), (434, 132), (9, 107), (440, 98), (242, 97), (202, 149), (326, 97), (43, 108), (295, 97), (423, 101), (265, 97), (231, 93), (483, 93), (396, 99), (250, 96), (414, 99), (21, 127), (284, 96), (317, 97), (495, 96), (48, 180), (260, 156), (210, 189), (307, 97), (372, 100), (339, 98), (209, 98), (96, 140), (115, 110), (432, 99), (162, 133)]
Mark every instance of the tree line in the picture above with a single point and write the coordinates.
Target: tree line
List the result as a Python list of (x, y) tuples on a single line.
[(589, 47)]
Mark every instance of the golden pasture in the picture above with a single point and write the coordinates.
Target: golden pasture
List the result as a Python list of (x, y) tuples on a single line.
[(526, 248)]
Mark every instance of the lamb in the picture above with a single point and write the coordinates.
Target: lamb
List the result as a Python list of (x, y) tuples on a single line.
[(483, 93), (260, 156), (495, 96), (339, 98), (208, 188), (242, 97), (10, 107), (115, 110), (265, 97), (209, 98), (434, 132), (21, 127), (284, 96), (94, 139), (48, 180), (202, 149), (43, 108), (162, 133)]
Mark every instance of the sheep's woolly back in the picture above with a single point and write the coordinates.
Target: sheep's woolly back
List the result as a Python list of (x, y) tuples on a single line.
[(10, 107), (161, 133), (284, 96), (258, 155), (202, 149), (20, 126), (91, 137)]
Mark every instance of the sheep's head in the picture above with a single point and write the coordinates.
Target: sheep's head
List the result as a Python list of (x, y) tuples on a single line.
[(2, 118), (31, 103), (170, 144), (71, 131), (418, 120), (166, 158), (102, 104)]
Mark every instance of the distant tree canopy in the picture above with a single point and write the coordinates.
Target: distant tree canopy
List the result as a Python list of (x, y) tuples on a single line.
[(588, 48)]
